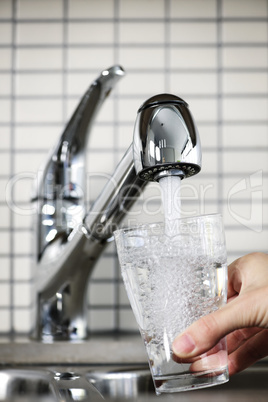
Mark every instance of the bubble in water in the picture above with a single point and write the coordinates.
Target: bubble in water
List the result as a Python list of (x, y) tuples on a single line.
[(169, 293)]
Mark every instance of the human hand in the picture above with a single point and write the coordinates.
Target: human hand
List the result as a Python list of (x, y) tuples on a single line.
[(244, 319)]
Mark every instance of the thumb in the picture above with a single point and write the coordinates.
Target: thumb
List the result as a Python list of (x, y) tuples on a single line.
[(205, 333)]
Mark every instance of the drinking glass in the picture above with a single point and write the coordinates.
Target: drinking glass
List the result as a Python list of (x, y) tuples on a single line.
[(174, 274)]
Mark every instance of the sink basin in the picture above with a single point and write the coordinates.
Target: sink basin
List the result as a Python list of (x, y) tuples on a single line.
[(120, 383), (129, 383), (24, 385)]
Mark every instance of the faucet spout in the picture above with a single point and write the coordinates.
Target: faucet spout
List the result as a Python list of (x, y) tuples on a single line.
[(166, 139), (165, 142)]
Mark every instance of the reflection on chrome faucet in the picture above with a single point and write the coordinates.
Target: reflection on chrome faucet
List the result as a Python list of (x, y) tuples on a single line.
[(166, 142)]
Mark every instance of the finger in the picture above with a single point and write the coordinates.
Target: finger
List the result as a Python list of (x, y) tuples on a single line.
[(219, 347), (249, 309), (250, 352), (248, 270), (205, 333), (229, 299), (234, 279), (183, 361), (239, 337), (216, 361), (234, 341)]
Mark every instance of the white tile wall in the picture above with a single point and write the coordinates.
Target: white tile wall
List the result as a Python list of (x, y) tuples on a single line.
[(38, 59), (90, 9), (192, 9), (244, 82), (215, 56), (242, 58), (50, 9), (193, 33), (141, 9), (232, 8), (48, 33), (244, 32)]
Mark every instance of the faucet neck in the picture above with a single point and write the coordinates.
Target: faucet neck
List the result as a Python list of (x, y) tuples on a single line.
[(61, 185)]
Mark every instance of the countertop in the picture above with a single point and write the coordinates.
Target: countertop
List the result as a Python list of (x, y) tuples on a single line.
[(251, 385), (97, 350)]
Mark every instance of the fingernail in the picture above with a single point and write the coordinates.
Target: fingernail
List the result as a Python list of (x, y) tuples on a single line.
[(183, 345)]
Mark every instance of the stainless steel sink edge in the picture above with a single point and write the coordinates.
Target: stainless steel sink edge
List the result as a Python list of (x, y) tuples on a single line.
[(120, 382)]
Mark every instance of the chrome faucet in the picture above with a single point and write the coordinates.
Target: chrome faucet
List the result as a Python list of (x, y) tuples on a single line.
[(70, 240)]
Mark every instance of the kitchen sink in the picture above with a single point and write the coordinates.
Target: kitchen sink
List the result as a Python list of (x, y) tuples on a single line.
[(121, 383), (46, 384)]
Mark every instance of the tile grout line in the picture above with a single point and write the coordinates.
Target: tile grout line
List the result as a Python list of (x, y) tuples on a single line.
[(64, 60), (116, 267), (167, 65), (219, 106), (12, 165)]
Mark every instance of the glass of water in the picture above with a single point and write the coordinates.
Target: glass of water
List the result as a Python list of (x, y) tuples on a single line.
[(174, 274)]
